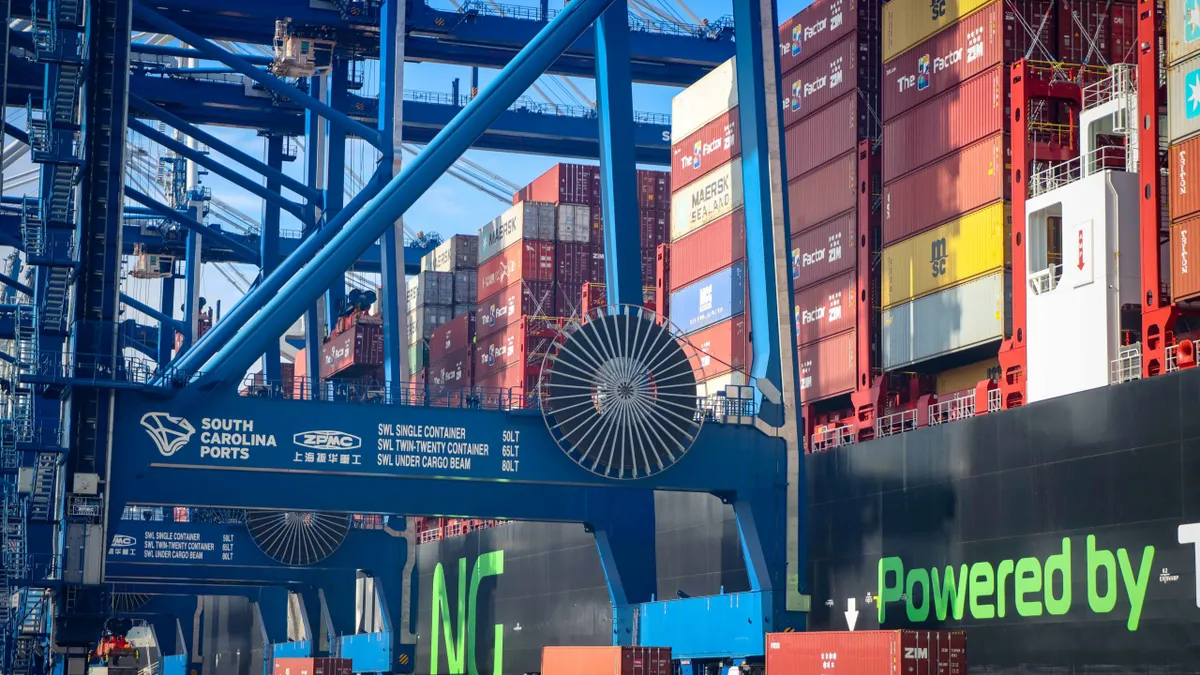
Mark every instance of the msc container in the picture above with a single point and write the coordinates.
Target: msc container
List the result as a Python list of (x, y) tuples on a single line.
[(709, 197), (851, 64), (1184, 190), (1123, 45), (1084, 30), (465, 286), (573, 263), (909, 22), (456, 253), (826, 309), (702, 102), (423, 319), (821, 24), (828, 133), (1183, 120), (956, 184), (822, 252), (963, 249), (1185, 281), (959, 317), (979, 108), (606, 661), (574, 223), (353, 352), (823, 193), (966, 377), (869, 652), (527, 220), (509, 305), (712, 247), (715, 298), (452, 337), (564, 184), (827, 368), (430, 288), (654, 189), (321, 666), (453, 372), (527, 259), (711, 146), (723, 347)]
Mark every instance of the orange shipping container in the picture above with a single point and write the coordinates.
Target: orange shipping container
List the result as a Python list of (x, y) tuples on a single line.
[(711, 248), (823, 192), (827, 133), (606, 661), (827, 368), (1185, 193), (318, 666), (1185, 279), (723, 348)]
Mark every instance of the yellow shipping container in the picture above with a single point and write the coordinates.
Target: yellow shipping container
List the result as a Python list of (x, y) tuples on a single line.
[(908, 22), (966, 377), (963, 249)]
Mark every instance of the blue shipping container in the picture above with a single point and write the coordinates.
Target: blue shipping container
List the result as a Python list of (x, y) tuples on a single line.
[(711, 300)]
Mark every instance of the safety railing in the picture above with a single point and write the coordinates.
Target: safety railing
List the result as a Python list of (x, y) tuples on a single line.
[(1064, 173), (1172, 358), (957, 408), (1046, 280), (636, 23), (528, 104), (1128, 364), (896, 423), (995, 402), (1121, 81), (457, 529), (836, 437)]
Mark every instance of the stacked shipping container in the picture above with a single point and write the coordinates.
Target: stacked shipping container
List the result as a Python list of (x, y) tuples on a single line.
[(1183, 122), (430, 297)]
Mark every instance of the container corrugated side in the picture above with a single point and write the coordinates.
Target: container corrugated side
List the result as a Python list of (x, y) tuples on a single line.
[(960, 250), (823, 193), (1123, 46), (823, 251), (451, 337), (1182, 41), (868, 652), (454, 371), (521, 344), (527, 259), (851, 64), (978, 108), (712, 247), (1084, 30), (520, 299), (820, 25), (564, 184), (970, 314), (573, 263), (714, 298), (709, 197), (966, 377), (1183, 113), (709, 147), (722, 347), (907, 23), (957, 184), (1184, 192), (702, 102), (423, 319), (466, 287), (827, 368), (526, 220), (574, 224), (430, 288), (828, 133), (826, 309), (1185, 279)]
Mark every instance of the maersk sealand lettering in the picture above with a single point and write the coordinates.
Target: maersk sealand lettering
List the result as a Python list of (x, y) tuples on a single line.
[(487, 565)]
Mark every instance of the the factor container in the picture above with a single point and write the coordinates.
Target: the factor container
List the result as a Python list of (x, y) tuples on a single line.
[(525, 220), (522, 344), (456, 371), (1184, 191), (968, 315), (707, 198), (826, 309), (510, 304), (527, 259), (452, 337), (850, 65), (606, 661), (353, 353), (708, 249), (712, 145), (459, 252), (827, 368), (868, 652), (907, 23), (822, 24), (710, 300), (821, 252)]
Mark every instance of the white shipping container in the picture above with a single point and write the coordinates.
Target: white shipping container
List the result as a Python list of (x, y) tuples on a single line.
[(574, 224), (526, 220), (959, 317), (430, 288), (702, 102), (1183, 39), (704, 200), (423, 320), (456, 253), (1183, 99)]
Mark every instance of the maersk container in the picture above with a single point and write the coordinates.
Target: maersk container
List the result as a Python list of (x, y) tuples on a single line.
[(820, 25), (527, 220), (827, 368), (826, 309), (430, 288), (564, 184), (956, 184), (509, 305), (967, 247), (527, 259), (1183, 110), (706, 199), (821, 252), (711, 146), (978, 108), (828, 133), (851, 64), (704, 101), (868, 652), (823, 193), (574, 224), (717, 297), (1185, 279), (423, 319), (712, 247), (456, 253), (1184, 192), (907, 23), (1182, 42), (723, 347), (606, 661), (451, 337), (968, 315)]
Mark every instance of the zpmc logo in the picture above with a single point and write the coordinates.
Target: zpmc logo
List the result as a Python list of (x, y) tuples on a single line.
[(168, 432)]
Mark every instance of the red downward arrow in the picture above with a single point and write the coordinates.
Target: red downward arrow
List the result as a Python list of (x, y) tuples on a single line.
[(1081, 250)]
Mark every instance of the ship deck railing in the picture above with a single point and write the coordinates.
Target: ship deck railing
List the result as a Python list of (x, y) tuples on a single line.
[(836, 437), (896, 423), (1128, 364), (950, 410)]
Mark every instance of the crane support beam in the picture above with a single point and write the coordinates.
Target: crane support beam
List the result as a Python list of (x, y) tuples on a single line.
[(151, 312), (189, 222), (184, 53), (13, 283)]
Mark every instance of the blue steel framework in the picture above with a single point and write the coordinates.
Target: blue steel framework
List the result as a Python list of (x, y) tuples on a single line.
[(93, 88)]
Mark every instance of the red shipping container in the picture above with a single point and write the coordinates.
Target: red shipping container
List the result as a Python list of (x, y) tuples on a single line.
[(723, 348), (827, 368), (1184, 191), (1085, 27), (568, 299), (597, 227), (979, 108), (452, 337), (520, 343), (713, 247), (821, 24), (971, 178), (596, 272), (828, 133), (455, 371), (824, 251), (528, 259), (564, 184), (521, 299), (573, 263), (869, 652), (655, 228), (1185, 279), (606, 661), (823, 193), (1019, 38), (1123, 43), (826, 309), (320, 666), (353, 352), (704, 150), (654, 189), (850, 64)]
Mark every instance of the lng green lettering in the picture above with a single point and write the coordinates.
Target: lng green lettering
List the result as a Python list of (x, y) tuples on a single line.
[(487, 565)]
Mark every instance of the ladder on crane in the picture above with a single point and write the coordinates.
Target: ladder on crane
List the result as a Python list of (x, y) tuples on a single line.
[(45, 478), (22, 394)]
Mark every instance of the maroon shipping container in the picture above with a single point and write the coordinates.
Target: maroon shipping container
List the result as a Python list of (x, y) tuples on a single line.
[(1123, 43), (723, 348), (455, 371), (523, 298), (606, 661), (820, 25), (828, 133), (850, 64), (705, 149), (522, 343), (568, 299), (1019, 36), (713, 247), (353, 352), (649, 266), (597, 272), (597, 227), (655, 228), (452, 337), (564, 184), (962, 182), (826, 309), (1184, 192), (823, 193), (822, 252), (1185, 279), (527, 259), (573, 263), (1086, 27), (654, 190), (827, 368), (869, 652), (978, 108), (319, 666)]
